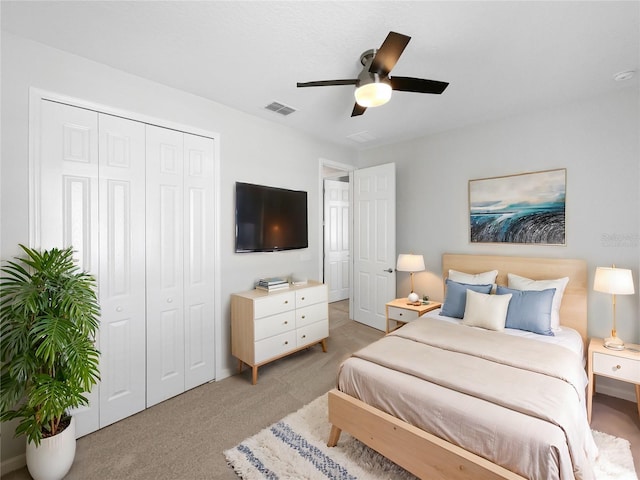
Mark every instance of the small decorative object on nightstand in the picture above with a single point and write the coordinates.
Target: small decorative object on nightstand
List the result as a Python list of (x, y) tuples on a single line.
[(399, 311), (411, 263), (622, 365), (616, 281)]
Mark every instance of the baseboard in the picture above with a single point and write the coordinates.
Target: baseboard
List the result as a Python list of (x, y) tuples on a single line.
[(13, 463), (224, 373), (616, 389)]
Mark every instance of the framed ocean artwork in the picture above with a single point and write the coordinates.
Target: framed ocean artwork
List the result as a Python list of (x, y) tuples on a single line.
[(528, 208)]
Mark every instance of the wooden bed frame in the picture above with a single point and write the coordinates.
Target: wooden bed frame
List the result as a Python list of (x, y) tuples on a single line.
[(426, 455)]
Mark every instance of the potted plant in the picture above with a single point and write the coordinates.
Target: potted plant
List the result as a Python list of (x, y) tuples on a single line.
[(48, 320)]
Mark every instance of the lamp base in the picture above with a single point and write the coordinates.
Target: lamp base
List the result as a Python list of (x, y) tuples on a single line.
[(613, 343), (413, 297)]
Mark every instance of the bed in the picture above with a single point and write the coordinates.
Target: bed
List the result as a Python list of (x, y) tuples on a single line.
[(438, 424)]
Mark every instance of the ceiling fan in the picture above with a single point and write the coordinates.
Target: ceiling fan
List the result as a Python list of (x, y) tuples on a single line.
[(374, 85)]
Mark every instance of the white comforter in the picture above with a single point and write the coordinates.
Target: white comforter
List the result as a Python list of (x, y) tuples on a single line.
[(513, 400)]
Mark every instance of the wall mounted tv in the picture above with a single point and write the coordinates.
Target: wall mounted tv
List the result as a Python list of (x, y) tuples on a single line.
[(270, 219)]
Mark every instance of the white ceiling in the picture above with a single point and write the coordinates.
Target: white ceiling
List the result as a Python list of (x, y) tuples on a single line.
[(501, 58)]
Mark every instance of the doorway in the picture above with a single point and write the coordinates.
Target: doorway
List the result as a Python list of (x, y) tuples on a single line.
[(336, 234)]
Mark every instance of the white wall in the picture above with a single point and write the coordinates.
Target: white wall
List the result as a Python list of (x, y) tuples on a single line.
[(251, 150), (597, 141)]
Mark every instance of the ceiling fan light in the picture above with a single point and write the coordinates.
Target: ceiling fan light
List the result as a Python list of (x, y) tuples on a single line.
[(373, 94)]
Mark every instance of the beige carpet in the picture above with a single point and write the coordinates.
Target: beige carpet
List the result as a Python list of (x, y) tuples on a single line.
[(185, 437)]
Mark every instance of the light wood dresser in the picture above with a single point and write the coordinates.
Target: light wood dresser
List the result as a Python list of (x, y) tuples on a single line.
[(266, 326)]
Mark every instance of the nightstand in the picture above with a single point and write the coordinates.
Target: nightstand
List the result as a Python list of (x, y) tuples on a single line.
[(622, 365), (400, 311)]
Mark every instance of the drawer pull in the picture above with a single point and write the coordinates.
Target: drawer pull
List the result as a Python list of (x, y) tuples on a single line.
[(303, 317), (286, 301), (401, 314), (618, 367), (286, 342), (302, 299), (304, 336), (286, 322)]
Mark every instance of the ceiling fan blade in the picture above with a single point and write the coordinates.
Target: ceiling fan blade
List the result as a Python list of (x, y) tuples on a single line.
[(389, 53), (358, 110), (419, 85), (327, 83)]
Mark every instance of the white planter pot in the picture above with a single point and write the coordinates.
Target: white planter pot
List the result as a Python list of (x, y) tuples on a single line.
[(52, 459)]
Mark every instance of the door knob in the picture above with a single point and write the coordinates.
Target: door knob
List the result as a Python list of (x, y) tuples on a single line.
[(388, 270)]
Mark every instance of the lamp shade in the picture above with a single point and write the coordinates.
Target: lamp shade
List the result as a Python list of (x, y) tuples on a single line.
[(616, 281), (410, 263), (373, 94)]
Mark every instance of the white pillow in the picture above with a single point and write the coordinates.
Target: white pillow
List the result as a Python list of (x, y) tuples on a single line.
[(523, 283), (477, 279), (486, 311)]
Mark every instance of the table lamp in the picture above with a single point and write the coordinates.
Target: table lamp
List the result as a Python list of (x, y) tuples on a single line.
[(410, 263), (616, 281)]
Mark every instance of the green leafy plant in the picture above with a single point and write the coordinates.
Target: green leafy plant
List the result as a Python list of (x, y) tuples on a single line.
[(49, 315)]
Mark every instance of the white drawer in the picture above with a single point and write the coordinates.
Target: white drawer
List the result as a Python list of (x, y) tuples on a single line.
[(274, 325), (311, 314), (615, 367), (311, 295), (402, 314), (275, 346), (273, 303), (312, 333)]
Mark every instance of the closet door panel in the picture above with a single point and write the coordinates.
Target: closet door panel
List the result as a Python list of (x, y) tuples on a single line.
[(67, 202), (198, 260), (68, 182), (122, 268), (164, 253)]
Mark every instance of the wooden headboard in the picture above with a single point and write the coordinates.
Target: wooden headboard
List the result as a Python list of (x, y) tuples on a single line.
[(573, 310)]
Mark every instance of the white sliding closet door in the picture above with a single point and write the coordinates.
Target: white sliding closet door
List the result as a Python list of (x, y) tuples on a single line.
[(122, 268), (66, 210)]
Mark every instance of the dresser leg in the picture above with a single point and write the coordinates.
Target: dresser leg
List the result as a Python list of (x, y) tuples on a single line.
[(591, 388), (254, 375), (638, 398), (240, 364), (323, 342)]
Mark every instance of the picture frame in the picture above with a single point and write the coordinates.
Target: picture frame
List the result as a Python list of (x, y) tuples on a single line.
[(525, 208)]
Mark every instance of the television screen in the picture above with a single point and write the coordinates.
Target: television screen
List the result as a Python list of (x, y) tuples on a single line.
[(270, 219)]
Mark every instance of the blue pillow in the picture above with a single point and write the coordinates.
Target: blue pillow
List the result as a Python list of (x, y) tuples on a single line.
[(456, 298), (529, 310)]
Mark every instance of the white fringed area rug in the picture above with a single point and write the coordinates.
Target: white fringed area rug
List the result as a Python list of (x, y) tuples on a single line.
[(295, 448)]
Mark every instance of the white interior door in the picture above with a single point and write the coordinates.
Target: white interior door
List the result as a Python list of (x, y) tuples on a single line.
[(122, 268), (165, 257), (336, 239), (374, 243)]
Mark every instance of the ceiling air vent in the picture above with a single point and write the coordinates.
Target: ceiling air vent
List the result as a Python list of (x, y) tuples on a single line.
[(280, 108), (361, 137)]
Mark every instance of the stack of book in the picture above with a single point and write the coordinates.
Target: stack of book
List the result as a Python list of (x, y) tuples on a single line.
[(271, 284)]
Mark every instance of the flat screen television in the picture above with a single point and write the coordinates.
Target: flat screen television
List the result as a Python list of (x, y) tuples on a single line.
[(270, 219)]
